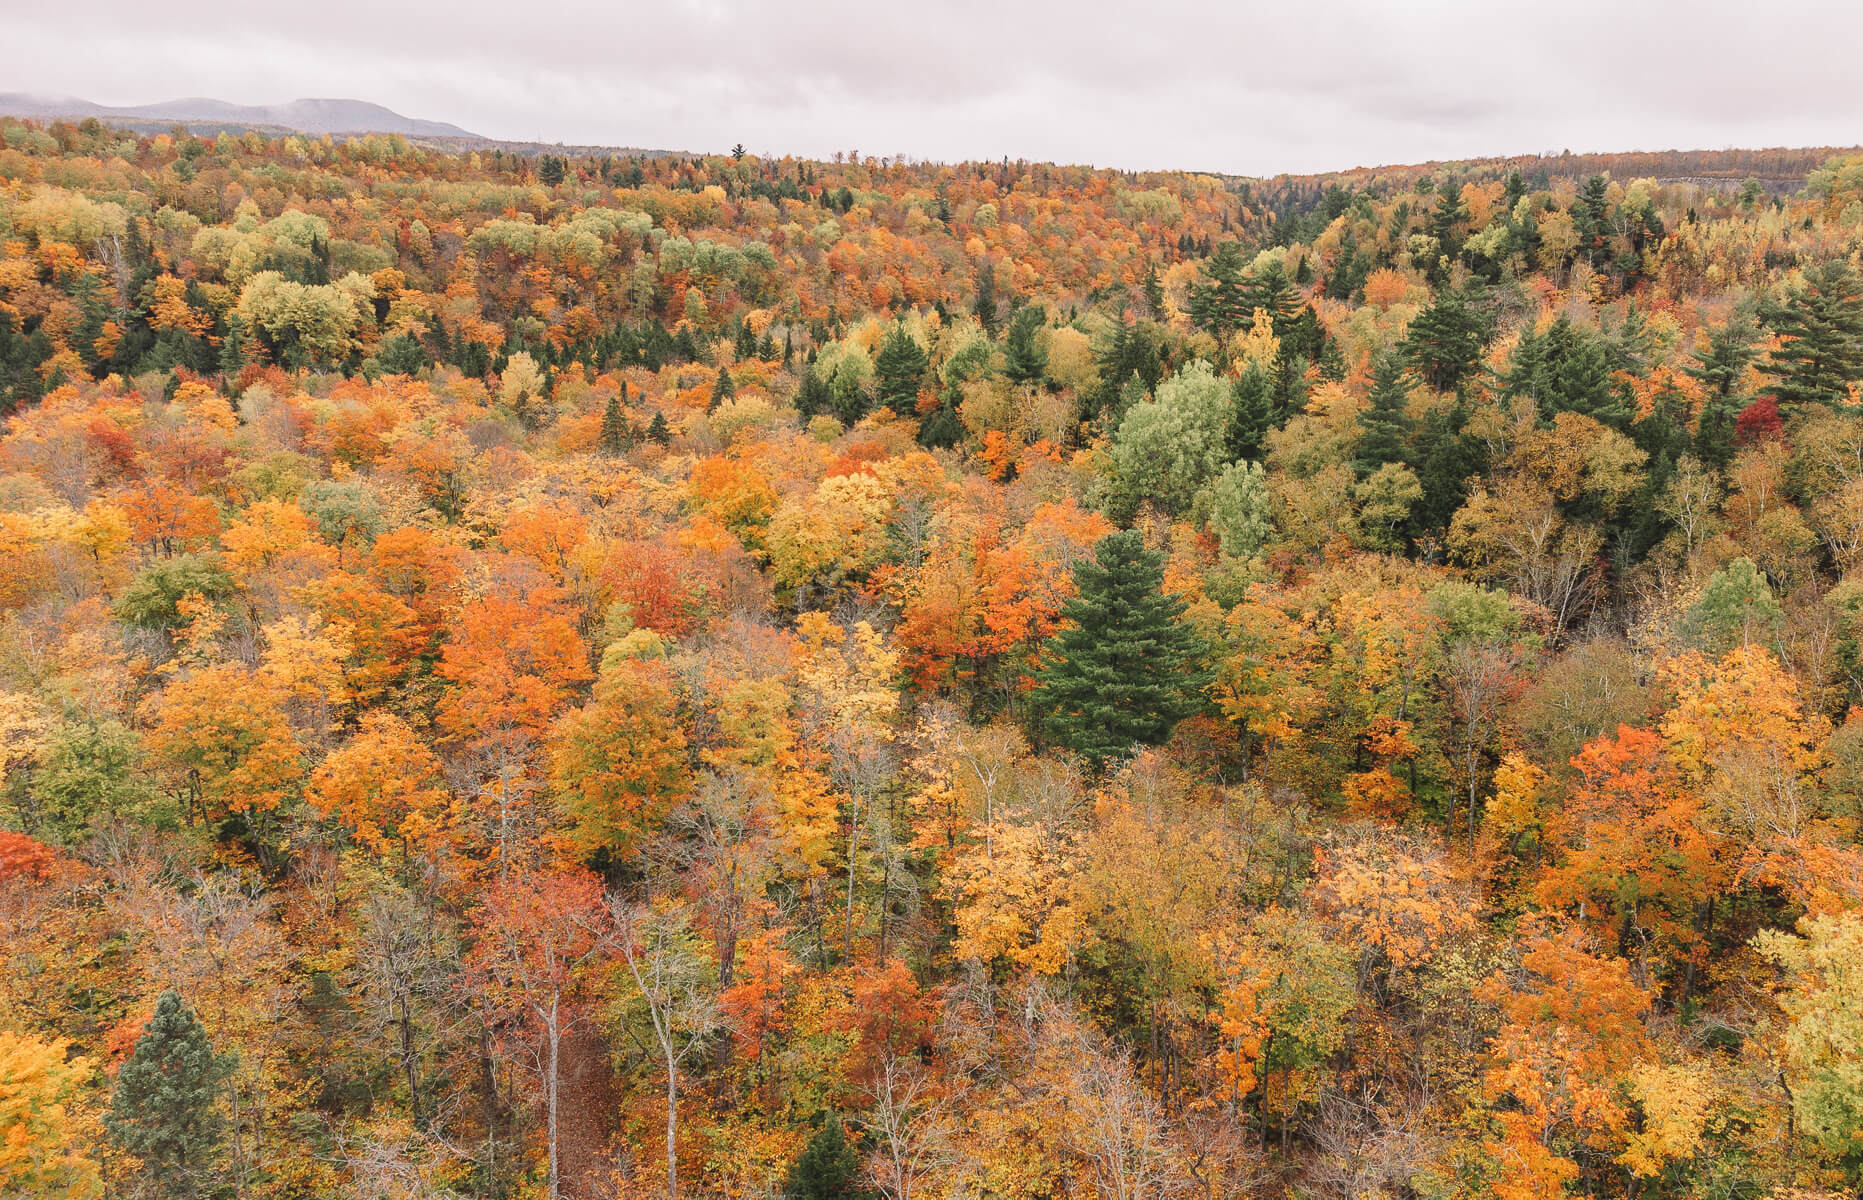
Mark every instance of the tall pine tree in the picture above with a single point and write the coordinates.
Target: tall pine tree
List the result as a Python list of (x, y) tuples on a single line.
[(163, 1110), (1124, 670), (899, 367), (1384, 426), (1821, 324)]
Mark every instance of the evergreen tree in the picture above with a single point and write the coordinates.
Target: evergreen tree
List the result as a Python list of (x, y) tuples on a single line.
[(985, 307), (1220, 301), (1154, 291), (163, 1109), (1254, 412), (614, 427), (1024, 361), (233, 346), (827, 1168), (1730, 351), (722, 389), (1444, 343), (1123, 671), (657, 431), (899, 367), (1821, 323), (813, 396), (1384, 426), (1566, 369), (1271, 290)]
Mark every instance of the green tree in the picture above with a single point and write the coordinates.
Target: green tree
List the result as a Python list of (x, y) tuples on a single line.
[(1240, 509), (1168, 447), (1124, 669), (827, 1168), (722, 388), (1220, 301), (1821, 326), (616, 435), (900, 366), (164, 1110), (1384, 425), (1736, 608), (1024, 361), (1443, 344)]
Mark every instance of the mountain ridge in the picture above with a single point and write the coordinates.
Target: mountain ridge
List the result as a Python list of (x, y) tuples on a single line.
[(316, 115)]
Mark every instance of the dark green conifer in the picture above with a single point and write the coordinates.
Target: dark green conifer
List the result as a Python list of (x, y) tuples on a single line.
[(1821, 327), (1384, 425), (1024, 361), (827, 1168), (164, 1110), (1124, 670), (899, 368)]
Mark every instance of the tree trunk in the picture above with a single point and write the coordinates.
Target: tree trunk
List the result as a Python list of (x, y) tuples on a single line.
[(555, 1034), (672, 1124)]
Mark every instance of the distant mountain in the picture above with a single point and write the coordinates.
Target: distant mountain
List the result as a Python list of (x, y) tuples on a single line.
[(305, 116)]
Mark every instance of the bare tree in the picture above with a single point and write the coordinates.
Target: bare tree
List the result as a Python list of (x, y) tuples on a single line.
[(912, 1124), (657, 945)]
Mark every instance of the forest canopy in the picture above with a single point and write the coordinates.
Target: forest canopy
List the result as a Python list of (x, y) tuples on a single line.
[(625, 676)]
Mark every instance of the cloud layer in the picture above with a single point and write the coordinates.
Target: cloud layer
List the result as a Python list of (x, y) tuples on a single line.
[(1246, 87)]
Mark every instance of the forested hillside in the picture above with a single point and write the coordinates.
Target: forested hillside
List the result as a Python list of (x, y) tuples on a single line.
[(712, 676)]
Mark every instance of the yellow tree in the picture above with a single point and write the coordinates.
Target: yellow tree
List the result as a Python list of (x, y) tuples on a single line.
[(42, 1133)]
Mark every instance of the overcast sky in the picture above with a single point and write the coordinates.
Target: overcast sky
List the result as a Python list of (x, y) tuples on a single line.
[(1225, 85)]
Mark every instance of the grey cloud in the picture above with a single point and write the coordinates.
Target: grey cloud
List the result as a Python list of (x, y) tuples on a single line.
[(1246, 87)]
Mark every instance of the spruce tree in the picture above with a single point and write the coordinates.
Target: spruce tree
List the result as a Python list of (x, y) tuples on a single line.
[(1024, 361), (1384, 426), (827, 1167), (722, 389), (813, 396), (899, 367), (986, 298), (233, 347), (1821, 323), (1220, 302), (1124, 670), (1154, 292), (614, 427), (1444, 343), (163, 1109), (657, 431), (1253, 391)]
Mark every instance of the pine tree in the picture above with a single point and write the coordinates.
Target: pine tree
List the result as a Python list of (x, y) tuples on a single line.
[(899, 366), (1123, 671), (814, 395), (1024, 361), (233, 346), (1221, 302), (1444, 343), (163, 1109), (1384, 426), (1821, 323), (827, 1167), (1272, 290), (1154, 291), (986, 298), (614, 427), (1730, 351), (722, 389), (1254, 412), (657, 431)]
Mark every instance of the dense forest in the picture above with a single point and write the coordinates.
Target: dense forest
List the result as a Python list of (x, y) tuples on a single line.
[(602, 677)]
